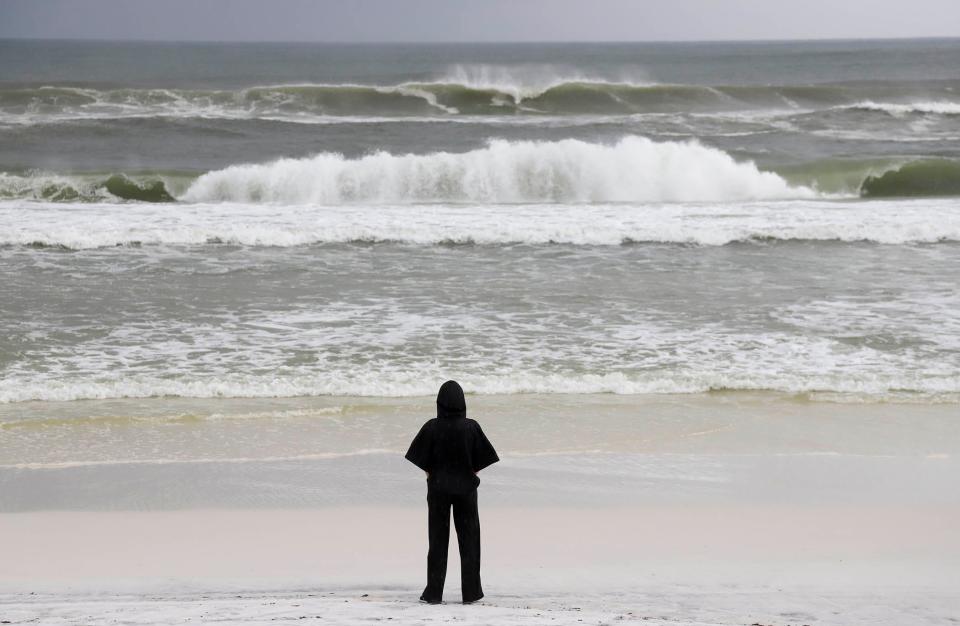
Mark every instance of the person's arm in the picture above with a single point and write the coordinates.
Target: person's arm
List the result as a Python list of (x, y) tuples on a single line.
[(421, 447), (483, 453)]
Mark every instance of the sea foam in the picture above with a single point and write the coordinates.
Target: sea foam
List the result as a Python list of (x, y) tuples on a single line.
[(399, 383), (96, 225)]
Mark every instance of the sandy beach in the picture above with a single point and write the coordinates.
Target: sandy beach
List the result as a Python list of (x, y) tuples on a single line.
[(689, 565), (671, 521)]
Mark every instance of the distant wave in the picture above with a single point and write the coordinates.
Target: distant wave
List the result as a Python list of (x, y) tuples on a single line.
[(309, 101), (96, 225), (293, 102), (633, 170), (459, 93)]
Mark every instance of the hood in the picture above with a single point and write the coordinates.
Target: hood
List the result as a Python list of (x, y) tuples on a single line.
[(450, 400)]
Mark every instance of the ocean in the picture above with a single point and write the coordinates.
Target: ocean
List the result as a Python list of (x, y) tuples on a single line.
[(192, 230)]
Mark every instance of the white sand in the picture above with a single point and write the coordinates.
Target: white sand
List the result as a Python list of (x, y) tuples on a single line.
[(687, 565)]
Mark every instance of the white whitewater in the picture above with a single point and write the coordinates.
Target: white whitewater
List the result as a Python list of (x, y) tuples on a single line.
[(98, 225)]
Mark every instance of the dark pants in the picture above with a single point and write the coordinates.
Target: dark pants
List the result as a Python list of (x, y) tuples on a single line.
[(467, 522)]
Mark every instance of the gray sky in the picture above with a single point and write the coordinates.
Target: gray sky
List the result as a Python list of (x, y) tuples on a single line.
[(477, 20)]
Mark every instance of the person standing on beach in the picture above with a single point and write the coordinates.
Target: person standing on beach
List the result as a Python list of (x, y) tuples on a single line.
[(451, 449)]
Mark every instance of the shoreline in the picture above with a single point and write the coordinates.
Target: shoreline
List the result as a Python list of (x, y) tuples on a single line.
[(561, 451)]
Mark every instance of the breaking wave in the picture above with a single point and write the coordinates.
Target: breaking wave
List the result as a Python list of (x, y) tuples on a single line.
[(926, 177), (633, 170)]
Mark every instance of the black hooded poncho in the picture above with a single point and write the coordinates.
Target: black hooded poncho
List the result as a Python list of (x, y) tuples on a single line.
[(451, 447)]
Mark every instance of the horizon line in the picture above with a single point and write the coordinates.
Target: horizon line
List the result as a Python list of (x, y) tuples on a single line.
[(478, 41)]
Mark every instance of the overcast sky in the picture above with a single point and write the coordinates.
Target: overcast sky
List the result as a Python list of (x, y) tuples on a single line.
[(477, 20)]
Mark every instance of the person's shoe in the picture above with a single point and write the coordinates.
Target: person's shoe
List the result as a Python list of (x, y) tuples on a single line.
[(473, 601), (425, 601)]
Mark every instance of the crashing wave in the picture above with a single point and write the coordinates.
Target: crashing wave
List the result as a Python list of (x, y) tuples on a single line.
[(633, 170)]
